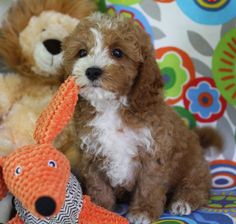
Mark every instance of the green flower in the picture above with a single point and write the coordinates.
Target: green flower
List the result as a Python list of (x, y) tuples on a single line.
[(224, 66), (174, 74)]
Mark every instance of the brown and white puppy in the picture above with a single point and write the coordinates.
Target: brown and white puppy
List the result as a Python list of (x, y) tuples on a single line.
[(131, 141)]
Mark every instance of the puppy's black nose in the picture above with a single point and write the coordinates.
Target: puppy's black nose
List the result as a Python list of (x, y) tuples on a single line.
[(45, 206), (53, 46), (93, 73)]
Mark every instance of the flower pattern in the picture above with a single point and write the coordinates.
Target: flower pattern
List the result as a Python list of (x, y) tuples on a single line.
[(132, 13), (223, 193), (224, 66), (203, 100), (186, 116), (176, 69), (125, 2), (212, 5), (223, 176), (211, 12)]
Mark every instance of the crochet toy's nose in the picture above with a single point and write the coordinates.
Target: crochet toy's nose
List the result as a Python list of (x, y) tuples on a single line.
[(53, 46), (45, 206), (93, 73)]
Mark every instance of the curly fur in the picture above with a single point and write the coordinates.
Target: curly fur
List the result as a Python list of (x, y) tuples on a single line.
[(160, 154), (18, 18), (209, 137), (26, 92)]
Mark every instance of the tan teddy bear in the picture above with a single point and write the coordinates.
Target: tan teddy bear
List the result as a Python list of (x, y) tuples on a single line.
[(30, 45)]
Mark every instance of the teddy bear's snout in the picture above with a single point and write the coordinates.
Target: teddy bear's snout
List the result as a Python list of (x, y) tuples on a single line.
[(45, 206), (53, 46)]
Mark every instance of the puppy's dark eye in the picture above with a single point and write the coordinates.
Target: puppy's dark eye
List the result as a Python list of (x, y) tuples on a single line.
[(82, 53), (118, 53)]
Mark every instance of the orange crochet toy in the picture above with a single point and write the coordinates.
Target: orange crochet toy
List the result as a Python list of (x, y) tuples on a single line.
[(39, 175)]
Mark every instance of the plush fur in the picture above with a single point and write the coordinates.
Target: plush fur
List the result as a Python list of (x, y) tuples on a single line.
[(37, 70), (130, 140), (20, 16)]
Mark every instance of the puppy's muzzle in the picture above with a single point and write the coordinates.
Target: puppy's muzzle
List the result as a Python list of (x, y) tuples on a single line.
[(93, 73)]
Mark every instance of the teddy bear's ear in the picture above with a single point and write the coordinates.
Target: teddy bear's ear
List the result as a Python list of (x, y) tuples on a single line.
[(58, 113), (3, 187)]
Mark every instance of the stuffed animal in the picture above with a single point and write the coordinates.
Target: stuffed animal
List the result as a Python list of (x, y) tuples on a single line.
[(39, 177), (30, 45)]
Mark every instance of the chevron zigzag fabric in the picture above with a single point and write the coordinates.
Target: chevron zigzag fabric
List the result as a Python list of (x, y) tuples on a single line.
[(68, 214)]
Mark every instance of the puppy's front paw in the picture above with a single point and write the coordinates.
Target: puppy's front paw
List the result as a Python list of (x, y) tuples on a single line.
[(138, 219), (180, 208)]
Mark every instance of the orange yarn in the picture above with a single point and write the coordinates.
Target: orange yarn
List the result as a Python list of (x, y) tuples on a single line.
[(93, 214), (28, 175), (58, 113), (39, 171)]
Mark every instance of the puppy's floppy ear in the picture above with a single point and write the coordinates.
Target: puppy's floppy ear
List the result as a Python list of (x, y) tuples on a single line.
[(3, 187), (148, 83)]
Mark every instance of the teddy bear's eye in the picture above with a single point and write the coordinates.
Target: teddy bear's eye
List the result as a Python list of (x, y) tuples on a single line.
[(18, 171), (43, 30), (52, 163), (82, 53)]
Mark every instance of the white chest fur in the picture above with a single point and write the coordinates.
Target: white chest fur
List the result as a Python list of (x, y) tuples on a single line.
[(116, 142)]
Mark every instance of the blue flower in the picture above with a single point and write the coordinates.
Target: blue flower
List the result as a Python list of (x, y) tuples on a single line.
[(203, 100), (208, 11)]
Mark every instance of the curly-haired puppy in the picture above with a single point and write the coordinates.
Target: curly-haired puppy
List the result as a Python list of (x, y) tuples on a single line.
[(131, 141)]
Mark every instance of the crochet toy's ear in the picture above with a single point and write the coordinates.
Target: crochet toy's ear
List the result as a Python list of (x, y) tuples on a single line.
[(3, 187), (58, 113)]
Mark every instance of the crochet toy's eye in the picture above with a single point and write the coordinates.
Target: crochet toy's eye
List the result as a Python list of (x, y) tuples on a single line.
[(18, 171), (116, 52), (52, 163), (82, 53)]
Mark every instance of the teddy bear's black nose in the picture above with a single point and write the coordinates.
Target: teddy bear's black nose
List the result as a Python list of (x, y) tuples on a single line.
[(53, 46), (45, 206)]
